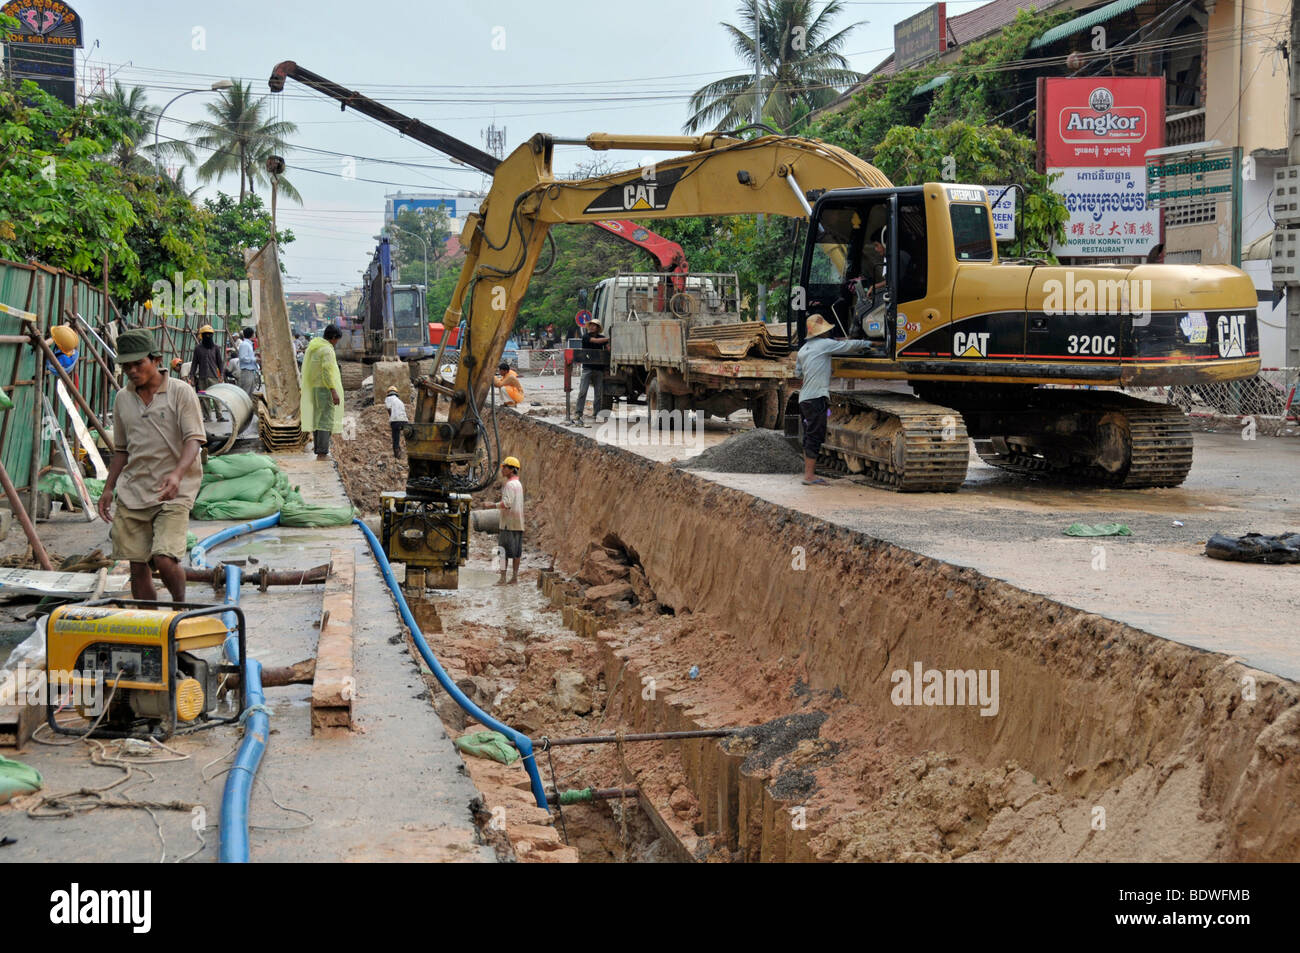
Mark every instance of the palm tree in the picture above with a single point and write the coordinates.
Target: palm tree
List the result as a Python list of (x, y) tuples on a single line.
[(240, 135), (799, 59), (133, 152)]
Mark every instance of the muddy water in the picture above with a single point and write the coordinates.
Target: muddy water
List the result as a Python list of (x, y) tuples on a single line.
[(505, 645), (1099, 741)]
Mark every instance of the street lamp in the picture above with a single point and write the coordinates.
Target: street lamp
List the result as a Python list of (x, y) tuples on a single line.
[(218, 85)]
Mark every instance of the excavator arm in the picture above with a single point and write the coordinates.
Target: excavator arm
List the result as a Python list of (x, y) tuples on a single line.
[(427, 525), (720, 175), (667, 253)]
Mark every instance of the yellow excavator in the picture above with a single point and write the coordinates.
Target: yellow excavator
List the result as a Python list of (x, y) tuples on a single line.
[(984, 344)]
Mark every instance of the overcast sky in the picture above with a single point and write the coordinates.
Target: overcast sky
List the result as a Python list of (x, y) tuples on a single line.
[(567, 67)]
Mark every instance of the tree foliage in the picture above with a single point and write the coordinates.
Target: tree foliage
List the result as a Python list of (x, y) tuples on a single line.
[(954, 134), (419, 232), (232, 226), (798, 58), (76, 186), (241, 135)]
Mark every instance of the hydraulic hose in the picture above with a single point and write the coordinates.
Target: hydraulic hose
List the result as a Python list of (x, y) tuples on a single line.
[(521, 741), (239, 781)]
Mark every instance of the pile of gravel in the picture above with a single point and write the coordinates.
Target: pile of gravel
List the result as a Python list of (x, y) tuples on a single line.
[(750, 451)]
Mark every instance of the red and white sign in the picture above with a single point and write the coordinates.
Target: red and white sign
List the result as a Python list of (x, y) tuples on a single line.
[(1095, 132), (1100, 121)]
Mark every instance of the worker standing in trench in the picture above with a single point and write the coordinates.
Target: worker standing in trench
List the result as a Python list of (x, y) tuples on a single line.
[(510, 538), (322, 390), (157, 435), (396, 420), (813, 365)]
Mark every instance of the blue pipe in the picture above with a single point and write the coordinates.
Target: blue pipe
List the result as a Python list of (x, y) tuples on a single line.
[(520, 741), (198, 555), (239, 781)]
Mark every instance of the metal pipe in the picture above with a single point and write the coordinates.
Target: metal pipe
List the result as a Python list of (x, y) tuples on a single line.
[(798, 192), (263, 577), (90, 333), (649, 736), (16, 504)]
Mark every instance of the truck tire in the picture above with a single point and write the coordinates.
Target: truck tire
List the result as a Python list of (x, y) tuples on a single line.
[(766, 410), (660, 405), (352, 374)]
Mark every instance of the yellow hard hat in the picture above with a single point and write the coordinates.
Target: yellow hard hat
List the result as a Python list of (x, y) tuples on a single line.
[(392, 390), (511, 462), (207, 329), (65, 338)]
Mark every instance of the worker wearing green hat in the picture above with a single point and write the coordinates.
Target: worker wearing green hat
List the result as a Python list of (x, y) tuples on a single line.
[(155, 474)]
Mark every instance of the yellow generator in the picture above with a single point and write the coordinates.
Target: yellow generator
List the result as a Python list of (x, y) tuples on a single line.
[(139, 669)]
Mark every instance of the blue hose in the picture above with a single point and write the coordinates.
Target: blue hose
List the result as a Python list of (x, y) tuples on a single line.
[(520, 741), (239, 782)]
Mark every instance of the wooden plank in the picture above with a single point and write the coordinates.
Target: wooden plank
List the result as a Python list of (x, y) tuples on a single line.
[(334, 686)]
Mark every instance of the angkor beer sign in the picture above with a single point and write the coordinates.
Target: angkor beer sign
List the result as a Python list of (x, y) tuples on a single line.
[(1095, 132), (1100, 121), (920, 37)]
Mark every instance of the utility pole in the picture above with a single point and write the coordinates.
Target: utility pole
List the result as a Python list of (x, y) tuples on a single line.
[(1293, 161), (758, 117)]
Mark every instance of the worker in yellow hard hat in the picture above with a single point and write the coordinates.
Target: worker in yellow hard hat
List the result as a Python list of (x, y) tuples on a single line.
[(510, 538), (397, 419), (205, 366), (63, 343)]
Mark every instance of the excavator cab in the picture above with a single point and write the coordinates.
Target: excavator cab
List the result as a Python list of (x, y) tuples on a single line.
[(865, 254)]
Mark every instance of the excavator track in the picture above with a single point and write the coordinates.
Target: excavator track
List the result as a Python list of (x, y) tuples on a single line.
[(896, 442), (1150, 445)]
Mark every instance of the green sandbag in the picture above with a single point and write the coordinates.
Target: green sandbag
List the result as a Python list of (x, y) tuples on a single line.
[(236, 465), (1099, 529), (488, 744), (296, 513), (59, 484), (17, 778), (236, 509), (252, 486)]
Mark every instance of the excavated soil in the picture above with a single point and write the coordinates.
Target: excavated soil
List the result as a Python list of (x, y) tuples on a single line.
[(680, 604), (364, 454), (1107, 743)]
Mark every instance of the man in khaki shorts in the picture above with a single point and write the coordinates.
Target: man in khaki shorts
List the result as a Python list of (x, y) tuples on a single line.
[(157, 435)]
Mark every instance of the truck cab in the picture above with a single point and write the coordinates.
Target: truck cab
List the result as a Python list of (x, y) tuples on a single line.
[(410, 325)]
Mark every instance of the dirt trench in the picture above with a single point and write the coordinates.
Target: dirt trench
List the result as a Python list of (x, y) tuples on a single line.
[(1101, 742)]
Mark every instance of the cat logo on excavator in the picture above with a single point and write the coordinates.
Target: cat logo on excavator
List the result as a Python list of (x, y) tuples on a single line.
[(639, 196), (970, 343)]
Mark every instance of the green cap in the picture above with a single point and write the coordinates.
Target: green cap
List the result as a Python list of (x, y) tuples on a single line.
[(136, 345)]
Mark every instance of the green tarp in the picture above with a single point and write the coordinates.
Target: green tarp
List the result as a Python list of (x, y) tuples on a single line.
[(17, 778), (488, 744), (238, 486), (1098, 529)]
